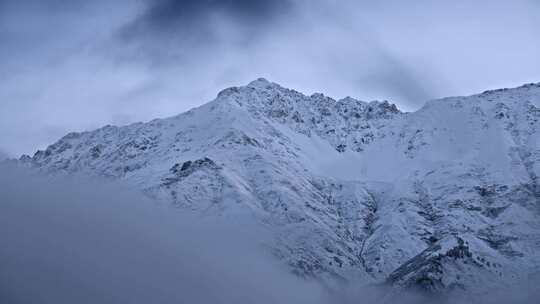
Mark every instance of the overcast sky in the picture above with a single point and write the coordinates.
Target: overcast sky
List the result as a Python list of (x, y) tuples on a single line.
[(77, 65)]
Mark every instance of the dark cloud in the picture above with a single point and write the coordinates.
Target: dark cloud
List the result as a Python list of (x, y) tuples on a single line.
[(169, 29), (161, 14)]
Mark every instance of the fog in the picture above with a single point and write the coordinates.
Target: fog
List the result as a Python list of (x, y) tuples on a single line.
[(81, 240), (64, 241), (3, 155)]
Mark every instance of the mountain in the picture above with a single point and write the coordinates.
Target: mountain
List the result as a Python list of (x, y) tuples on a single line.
[(444, 198)]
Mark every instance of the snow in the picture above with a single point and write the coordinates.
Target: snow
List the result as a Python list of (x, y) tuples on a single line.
[(352, 190)]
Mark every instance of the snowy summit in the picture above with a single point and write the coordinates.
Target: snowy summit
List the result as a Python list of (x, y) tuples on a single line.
[(444, 198)]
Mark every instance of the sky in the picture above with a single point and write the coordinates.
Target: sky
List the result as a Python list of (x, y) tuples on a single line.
[(78, 65)]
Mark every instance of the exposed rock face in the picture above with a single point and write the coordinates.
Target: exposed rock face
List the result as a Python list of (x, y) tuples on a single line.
[(438, 268), (447, 197)]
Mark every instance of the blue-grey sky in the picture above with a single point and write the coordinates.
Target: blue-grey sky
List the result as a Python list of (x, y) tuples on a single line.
[(77, 65)]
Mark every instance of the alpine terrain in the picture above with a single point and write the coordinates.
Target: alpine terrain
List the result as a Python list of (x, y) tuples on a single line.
[(442, 199)]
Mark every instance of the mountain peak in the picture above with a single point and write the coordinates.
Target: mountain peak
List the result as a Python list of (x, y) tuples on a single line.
[(259, 82), (524, 87)]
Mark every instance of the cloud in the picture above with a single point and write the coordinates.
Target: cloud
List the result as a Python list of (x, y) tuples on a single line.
[(80, 240), (411, 86), (3, 155), (168, 30), (168, 15), (83, 241)]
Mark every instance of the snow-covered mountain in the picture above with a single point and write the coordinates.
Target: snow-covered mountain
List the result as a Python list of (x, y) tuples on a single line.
[(443, 198)]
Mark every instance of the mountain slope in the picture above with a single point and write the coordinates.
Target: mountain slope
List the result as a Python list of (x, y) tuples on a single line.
[(352, 190)]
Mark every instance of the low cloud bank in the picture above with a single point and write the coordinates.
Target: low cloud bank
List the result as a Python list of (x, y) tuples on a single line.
[(3, 155), (83, 241)]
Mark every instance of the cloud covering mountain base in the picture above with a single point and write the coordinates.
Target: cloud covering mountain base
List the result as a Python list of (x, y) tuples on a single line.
[(78, 240), (82, 241)]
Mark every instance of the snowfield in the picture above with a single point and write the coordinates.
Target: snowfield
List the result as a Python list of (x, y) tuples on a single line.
[(442, 199)]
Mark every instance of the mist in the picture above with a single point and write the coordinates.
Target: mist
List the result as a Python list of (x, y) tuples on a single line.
[(3, 155), (81, 240), (85, 241)]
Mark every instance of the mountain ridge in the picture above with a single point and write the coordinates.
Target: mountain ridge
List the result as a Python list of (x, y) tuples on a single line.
[(261, 82), (354, 191)]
